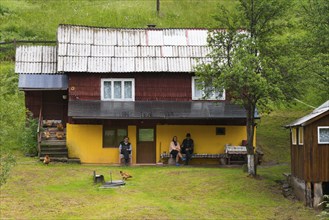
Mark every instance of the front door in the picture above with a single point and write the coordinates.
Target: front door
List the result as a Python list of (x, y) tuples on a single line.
[(146, 151)]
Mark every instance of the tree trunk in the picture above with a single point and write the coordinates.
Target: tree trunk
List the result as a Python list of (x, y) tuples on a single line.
[(250, 108)]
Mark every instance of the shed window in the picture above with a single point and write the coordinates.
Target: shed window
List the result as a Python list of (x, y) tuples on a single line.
[(113, 136), (198, 94), (301, 135), (118, 89), (323, 134), (294, 136)]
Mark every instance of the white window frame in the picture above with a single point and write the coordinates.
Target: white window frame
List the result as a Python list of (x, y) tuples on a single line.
[(212, 97), (122, 80), (319, 128), (301, 135), (294, 135)]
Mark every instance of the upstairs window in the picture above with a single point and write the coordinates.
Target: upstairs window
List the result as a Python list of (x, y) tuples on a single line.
[(199, 94), (118, 89), (323, 134)]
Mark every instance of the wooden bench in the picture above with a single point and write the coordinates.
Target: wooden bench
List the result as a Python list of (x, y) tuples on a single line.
[(236, 154), (232, 154), (239, 154), (166, 156)]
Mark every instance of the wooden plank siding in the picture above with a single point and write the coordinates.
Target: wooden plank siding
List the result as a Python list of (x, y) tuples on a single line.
[(53, 105), (318, 170), (310, 161), (148, 86), (33, 102)]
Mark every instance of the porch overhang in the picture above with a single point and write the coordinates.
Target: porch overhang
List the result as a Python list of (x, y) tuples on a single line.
[(155, 110), (42, 82)]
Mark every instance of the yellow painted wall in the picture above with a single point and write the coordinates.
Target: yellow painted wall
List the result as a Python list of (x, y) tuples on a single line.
[(86, 142), (204, 136)]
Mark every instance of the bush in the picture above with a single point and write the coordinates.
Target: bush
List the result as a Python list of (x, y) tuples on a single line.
[(29, 136), (7, 160)]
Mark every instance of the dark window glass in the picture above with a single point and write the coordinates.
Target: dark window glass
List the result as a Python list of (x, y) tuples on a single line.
[(113, 136), (220, 131)]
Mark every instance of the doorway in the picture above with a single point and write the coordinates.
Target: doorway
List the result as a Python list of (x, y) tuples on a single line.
[(146, 150)]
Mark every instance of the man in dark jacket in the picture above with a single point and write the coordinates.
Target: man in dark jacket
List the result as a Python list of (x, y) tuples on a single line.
[(187, 147), (125, 149)]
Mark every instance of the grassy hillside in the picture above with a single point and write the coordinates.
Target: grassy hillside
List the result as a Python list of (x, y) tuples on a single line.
[(272, 138), (38, 19)]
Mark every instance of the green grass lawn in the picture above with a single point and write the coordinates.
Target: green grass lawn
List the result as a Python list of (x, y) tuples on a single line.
[(66, 191)]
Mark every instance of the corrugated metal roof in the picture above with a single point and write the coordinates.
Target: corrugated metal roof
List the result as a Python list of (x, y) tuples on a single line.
[(36, 59), (130, 50), (304, 120), (154, 110), (43, 82)]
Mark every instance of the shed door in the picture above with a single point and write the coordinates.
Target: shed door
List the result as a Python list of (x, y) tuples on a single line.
[(146, 152)]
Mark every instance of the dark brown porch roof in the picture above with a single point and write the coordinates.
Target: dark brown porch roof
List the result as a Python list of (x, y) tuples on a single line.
[(154, 110)]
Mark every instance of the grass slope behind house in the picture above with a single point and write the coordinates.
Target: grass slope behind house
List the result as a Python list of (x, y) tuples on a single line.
[(273, 138), (66, 191), (38, 20)]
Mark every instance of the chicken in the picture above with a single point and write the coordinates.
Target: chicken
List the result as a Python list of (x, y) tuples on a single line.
[(60, 127), (46, 160), (47, 134), (59, 135), (125, 176), (49, 123)]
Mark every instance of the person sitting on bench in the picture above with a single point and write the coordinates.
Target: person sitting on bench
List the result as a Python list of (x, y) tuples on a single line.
[(125, 149), (174, 150), (188, 147)]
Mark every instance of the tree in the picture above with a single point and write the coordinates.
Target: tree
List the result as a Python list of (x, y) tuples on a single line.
[(244, 60), (313, 46)]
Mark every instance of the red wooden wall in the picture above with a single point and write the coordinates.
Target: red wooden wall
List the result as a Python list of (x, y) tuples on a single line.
[(52, 103), (148, 86)]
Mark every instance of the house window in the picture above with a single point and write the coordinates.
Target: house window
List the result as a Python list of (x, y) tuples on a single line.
[(301, 135), (220, 131), (113, 136), (323, 134), (198, 94), (118, 89), (294, 135)]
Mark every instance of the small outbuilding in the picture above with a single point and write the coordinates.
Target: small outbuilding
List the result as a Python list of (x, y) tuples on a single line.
[(309, 145)]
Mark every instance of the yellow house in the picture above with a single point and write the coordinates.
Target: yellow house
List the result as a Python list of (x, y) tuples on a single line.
[(107, 83)]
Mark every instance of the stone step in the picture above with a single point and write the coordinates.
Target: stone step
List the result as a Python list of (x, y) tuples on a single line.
[(53, 143), (54, 154), (53, 147)]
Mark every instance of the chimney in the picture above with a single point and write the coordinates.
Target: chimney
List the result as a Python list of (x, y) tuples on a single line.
[(151, 25)]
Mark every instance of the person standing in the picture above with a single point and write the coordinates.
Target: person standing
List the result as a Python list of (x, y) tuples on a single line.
[(125, 149), (174, 150), (188, 147)]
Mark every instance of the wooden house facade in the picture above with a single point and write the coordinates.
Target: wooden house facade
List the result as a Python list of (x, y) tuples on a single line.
[(106, 83), (310, 155)]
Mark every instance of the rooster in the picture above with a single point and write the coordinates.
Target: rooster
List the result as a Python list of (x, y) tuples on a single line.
[(46, 160), (59, 135), (60, 127), (125, 176)]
